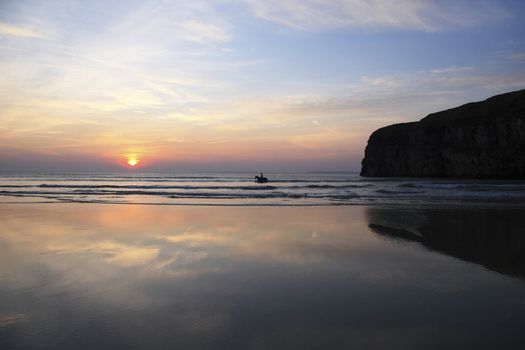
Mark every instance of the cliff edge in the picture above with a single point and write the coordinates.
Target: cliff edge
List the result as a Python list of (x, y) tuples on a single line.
[(477, 140)]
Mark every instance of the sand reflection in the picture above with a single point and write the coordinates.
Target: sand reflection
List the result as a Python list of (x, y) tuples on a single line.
[(235, 278), (134, 235), (88, 246)]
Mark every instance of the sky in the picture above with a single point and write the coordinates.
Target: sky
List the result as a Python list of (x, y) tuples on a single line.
[(238, 85)]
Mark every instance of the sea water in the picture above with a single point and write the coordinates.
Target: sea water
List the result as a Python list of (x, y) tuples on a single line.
[(282, 189)]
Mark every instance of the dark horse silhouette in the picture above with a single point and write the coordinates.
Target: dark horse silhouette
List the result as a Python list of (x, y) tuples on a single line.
[(261, 179)]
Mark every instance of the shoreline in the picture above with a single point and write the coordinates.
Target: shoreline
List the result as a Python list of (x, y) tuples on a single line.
[(411, 206)]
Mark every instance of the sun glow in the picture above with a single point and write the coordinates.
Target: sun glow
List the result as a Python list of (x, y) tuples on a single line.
[(132, 161)]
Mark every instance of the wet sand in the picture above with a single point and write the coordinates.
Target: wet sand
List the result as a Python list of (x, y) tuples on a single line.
[(159, 277)]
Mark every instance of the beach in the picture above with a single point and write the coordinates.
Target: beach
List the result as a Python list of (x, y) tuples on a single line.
[(76, 275), (253, 175)]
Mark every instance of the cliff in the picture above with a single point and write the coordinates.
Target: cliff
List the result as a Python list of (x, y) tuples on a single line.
[(477, 140)]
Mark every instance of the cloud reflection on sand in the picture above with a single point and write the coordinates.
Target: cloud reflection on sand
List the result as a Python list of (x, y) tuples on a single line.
[(160, 276)]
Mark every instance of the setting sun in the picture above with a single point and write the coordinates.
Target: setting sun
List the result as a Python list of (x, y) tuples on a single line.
[(132, 162)]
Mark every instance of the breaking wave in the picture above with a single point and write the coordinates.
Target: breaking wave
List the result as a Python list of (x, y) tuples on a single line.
[(240, 189)]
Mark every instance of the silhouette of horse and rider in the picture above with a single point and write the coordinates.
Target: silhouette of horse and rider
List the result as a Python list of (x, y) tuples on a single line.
[(261, 179)]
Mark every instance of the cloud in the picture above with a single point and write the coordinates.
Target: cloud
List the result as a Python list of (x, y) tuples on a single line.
[(204, 32), (443, 80), (131, 98), (169, 22), (9, 29), (515, 56), (421, 15)]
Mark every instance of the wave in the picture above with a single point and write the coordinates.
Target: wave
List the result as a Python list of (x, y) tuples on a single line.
[(472, 187), (384, 191), (239, 189), (184, 194), (147, 180), (185, 187)]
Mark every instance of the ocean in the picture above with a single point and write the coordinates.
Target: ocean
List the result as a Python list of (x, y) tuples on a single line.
[(240, 189)]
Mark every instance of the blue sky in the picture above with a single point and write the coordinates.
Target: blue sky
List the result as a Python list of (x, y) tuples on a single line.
[(239, 85)]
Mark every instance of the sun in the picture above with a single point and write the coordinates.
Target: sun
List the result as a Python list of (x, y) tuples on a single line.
[(132, 161)]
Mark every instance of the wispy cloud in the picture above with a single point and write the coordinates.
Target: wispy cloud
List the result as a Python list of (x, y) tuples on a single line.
[(425, 15), (9, 29), (169, 22), (443, 81), (515, 56), (204, 32), (145, 56)]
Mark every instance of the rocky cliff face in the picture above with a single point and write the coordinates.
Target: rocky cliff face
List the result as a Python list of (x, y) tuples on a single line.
[(477, 140)]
